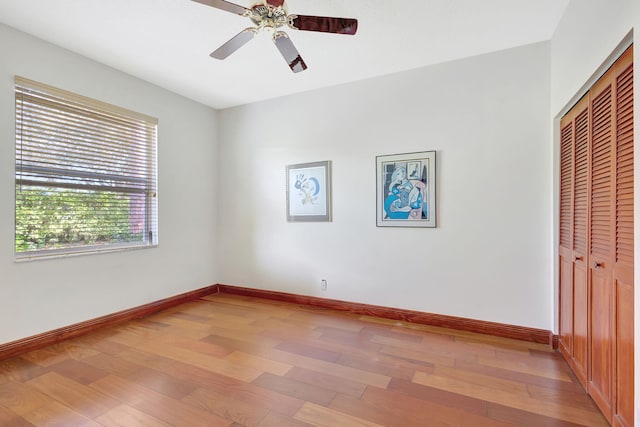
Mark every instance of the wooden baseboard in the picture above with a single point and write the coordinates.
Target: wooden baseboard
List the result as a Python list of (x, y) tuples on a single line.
[(540, 336), (55, 336), (555, 341)]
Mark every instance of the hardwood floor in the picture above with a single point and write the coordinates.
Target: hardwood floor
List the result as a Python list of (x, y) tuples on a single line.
[(226, 360)]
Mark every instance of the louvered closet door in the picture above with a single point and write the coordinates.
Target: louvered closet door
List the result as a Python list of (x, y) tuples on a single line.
[(611, 243), (566, 226), (623, 269), (596, 241), (601, 268), (573, 237), (580, 241)]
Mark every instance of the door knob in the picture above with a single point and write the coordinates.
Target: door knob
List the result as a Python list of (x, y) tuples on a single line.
[(597, 265), (578, 258)]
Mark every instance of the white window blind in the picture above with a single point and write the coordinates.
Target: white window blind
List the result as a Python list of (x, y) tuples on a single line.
[(85, 174)]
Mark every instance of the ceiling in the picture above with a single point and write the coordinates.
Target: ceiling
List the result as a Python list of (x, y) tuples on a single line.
[(167, 42)]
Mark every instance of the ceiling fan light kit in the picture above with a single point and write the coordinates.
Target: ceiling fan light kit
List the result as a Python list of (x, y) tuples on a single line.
[(270, 16)]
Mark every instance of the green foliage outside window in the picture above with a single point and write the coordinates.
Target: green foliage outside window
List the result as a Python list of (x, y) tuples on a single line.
[(52, 218)]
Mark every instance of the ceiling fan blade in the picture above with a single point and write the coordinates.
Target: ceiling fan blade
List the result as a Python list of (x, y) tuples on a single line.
[(225, 5), (275, 3), (325, 24), (234, 44), (289, 52)]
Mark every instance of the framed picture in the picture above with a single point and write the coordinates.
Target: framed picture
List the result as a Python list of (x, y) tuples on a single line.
[(406, 190), (309, 192)]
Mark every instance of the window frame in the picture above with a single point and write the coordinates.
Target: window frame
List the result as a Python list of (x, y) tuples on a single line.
[(79, 178)]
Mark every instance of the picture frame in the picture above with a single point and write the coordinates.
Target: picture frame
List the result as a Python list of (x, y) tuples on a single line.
[(406, 190), (309, 192)]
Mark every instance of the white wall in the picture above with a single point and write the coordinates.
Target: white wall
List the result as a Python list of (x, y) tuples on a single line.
[(587, 36), (42, 295), (486, 116)]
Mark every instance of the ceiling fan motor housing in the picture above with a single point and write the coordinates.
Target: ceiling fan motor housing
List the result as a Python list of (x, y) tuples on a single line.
[(266, 16)]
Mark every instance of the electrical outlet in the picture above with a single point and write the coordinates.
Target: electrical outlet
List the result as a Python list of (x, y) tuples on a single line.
[(323, 285)]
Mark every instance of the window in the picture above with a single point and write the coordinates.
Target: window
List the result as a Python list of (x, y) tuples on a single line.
[(85, 174)]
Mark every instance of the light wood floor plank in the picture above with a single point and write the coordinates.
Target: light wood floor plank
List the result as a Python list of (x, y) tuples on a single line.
[(22, 398), (277, 420), (470, 377), (319, 319), (232, 387), (396, 409), (56, 414), (74, 395), (171, 411), (526, 365), (259, 363), (449, 348), (320, 416), (227, 407), (19, 369), (327, 381), (353, 374), (126, 416), (418, 356), (200, 360), (9, 418), (252, 345), (297, 389), (574, 415)]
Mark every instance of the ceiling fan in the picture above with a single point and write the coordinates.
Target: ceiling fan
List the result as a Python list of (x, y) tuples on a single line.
[(271, 15)]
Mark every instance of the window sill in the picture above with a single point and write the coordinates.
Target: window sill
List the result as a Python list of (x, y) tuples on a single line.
[(65, 253)]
